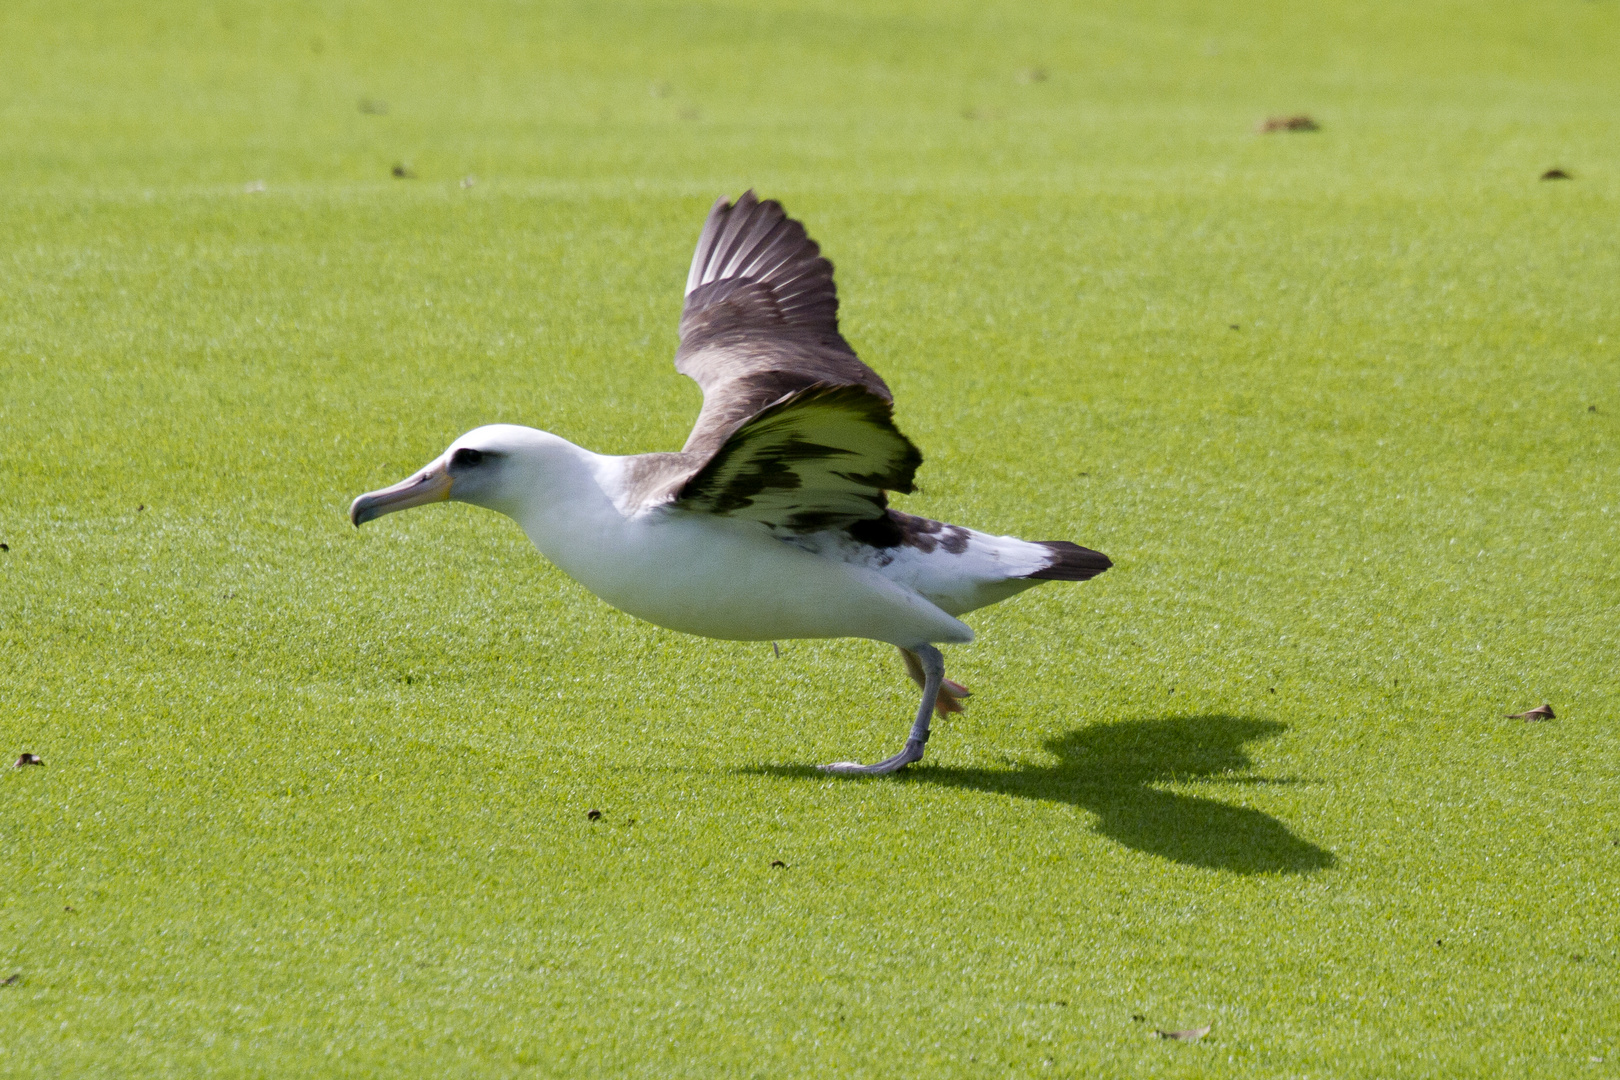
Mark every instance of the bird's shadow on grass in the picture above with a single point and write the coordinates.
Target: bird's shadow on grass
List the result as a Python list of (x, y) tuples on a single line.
[(1113, 770)]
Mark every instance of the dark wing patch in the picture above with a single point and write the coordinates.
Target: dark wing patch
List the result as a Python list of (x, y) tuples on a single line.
[(894, 529), (818, 458), (1070, 562)]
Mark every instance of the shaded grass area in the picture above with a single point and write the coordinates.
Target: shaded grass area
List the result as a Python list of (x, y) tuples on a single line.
[(1111, 770), (1341, 405)]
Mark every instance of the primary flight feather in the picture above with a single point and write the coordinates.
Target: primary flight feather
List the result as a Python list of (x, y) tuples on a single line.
[(772, 522)]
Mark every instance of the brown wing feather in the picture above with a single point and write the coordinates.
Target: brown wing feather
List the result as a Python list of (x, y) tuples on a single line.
[(761, 319), (795, 431)]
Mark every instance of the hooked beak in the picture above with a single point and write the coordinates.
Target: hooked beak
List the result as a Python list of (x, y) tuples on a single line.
[(431, 485)]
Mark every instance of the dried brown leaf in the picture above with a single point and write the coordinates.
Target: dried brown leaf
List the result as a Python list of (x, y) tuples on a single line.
[(1301, 122)]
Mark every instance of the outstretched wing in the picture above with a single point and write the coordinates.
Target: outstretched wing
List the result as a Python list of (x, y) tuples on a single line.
[(819, 458), (761, 319), (795, 431)]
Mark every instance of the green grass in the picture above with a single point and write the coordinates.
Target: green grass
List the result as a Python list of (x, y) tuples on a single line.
[(313, 801)]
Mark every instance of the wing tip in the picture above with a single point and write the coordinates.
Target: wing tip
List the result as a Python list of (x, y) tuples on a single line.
[(737, 234), (714, 228)]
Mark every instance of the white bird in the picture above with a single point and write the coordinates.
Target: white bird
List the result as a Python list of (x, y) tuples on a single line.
[(772, 522)]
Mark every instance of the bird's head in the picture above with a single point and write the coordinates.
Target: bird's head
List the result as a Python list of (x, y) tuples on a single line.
[(498, 467)]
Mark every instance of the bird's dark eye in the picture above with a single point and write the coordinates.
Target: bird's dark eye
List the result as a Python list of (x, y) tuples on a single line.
[(466, 457)]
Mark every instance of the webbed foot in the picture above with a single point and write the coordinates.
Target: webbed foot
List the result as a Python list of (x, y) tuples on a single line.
[(913, 752)]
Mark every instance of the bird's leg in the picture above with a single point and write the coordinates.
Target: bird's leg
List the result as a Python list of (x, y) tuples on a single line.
[(933, 671), (951, 693)]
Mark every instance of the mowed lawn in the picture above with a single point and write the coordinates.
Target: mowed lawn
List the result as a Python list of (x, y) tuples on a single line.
[(1343, 406)]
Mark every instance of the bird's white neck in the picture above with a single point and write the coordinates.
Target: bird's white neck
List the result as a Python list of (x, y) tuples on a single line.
[(564, 497)]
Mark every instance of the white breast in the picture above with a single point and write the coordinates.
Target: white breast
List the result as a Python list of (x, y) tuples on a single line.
[(732, 579)]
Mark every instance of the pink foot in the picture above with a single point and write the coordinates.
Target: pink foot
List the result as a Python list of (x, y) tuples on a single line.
[(950, 698)]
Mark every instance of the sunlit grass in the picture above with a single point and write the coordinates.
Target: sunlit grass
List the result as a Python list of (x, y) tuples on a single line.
[(1340, 404)]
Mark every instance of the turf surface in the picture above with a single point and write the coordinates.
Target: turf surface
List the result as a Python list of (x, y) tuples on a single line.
[(1342, 405)]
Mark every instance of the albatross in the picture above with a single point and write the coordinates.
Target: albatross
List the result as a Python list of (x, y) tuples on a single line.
[(772, 522)]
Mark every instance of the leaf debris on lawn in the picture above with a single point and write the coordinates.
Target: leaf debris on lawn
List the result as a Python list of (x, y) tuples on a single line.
[(1301, 122), (1541, 712), (11, 980), (1185, 1035), (27, 759)]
